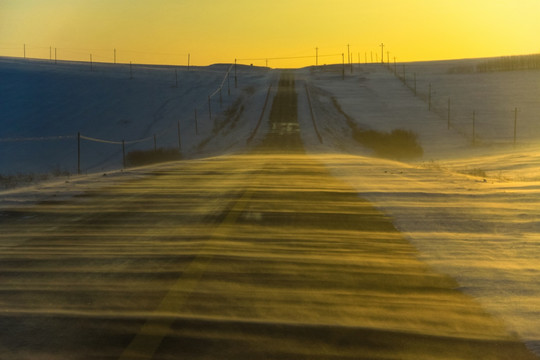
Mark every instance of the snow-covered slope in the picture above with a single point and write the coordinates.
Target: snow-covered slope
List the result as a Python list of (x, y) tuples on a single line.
[(43, 106)]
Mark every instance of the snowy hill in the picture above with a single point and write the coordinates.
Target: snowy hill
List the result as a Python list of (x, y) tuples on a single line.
[(44, 105), (470, 204)]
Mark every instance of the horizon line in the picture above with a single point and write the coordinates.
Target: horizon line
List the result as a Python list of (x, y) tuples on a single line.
[(236, 61)]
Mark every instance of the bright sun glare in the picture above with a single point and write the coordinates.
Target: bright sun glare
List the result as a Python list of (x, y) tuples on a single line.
[(280, 33)]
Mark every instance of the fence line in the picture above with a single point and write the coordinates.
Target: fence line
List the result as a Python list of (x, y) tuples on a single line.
[(468, 122), (175, 124), (225, 78), (38, 138), (461, 120)]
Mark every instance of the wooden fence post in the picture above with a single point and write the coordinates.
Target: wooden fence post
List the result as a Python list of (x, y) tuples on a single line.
[(515, 125), (123, 154), (429, 98), (78, 153), (196, 123), (448, 113), (209, 108), (179, 139)]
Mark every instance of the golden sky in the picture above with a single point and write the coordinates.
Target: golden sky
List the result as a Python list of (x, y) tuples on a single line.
[(212, 31)]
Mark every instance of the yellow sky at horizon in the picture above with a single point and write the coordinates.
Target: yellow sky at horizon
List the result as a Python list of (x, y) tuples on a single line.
[(213, 31)]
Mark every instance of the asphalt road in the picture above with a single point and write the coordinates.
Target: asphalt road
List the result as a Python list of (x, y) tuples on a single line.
[(253, 256)]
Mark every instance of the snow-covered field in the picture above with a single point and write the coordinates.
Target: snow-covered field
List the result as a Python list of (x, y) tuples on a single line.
[(44, 106), (472, 211)]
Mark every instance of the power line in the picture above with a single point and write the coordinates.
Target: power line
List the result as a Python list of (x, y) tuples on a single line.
[(289, 57)]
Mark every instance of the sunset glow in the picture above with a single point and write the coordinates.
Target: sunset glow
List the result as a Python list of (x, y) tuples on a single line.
[(213, 31)]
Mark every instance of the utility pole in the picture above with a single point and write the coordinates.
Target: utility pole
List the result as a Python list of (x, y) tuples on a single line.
[(24, 50), (50, 53), (382, 53), (348, 54), (316, 56)]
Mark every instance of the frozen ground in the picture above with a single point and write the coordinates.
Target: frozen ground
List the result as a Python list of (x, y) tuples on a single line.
[(472, 211)]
